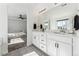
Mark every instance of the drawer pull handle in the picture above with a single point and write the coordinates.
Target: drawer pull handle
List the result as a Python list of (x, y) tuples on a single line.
[(34, 37), (43, 44), (42, 40), (57, 45), (42, 47), (42, 35)]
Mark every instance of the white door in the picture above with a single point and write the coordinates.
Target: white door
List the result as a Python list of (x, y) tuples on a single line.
[(51, 48), (64, 49)]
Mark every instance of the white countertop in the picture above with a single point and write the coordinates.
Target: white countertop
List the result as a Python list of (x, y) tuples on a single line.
[(56, 33)]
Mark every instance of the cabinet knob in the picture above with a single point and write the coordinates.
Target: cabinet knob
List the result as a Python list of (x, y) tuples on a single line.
[(42, 40), (57, 45), (34, 37), (42, 35), (42, 47)]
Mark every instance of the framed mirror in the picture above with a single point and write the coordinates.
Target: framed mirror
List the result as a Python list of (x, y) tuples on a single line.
[(62, 24), (47, 25)]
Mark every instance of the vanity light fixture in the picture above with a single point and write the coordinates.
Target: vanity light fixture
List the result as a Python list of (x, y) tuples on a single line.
[(42, 10)]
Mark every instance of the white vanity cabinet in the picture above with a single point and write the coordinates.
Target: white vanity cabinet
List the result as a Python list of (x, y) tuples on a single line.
[(42, 38), (57, 47), (51, 47), (64, 49), (39, 40), (43, 41), (36, 40), (52, 44), (3, 29)]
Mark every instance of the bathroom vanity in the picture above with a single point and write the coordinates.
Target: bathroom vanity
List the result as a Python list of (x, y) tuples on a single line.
[(53, 44)]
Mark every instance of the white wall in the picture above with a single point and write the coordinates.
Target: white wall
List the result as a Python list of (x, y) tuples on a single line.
[(77, 8), (59, 13), (3, 29), (14, 9)]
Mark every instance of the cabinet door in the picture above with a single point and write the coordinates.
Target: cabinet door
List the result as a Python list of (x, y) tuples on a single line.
[(51, 49), (43, 47), (36, 39), (76, 46), (42, 38), (64, 49)]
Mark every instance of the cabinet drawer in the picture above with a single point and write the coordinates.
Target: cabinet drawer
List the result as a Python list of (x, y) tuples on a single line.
[(42, 35), (43, 38), (43, 41), (43, 47)]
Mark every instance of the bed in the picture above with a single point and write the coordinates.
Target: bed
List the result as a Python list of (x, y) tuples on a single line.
[(15, 35), (15, 40)]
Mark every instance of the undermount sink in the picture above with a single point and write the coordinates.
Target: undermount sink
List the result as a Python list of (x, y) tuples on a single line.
[(60, 32), (64, 32)]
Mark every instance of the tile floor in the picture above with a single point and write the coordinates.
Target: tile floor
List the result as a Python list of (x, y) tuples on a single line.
[(25, 50)]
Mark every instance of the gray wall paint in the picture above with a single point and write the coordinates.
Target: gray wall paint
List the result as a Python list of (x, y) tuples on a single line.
[(16, 25), (14, 10)]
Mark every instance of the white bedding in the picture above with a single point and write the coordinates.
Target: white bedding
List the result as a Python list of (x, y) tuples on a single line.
[(16, 34), (17, 40)]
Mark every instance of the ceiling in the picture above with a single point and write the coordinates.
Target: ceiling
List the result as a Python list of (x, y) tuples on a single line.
[(34, 7), (38, 7)]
